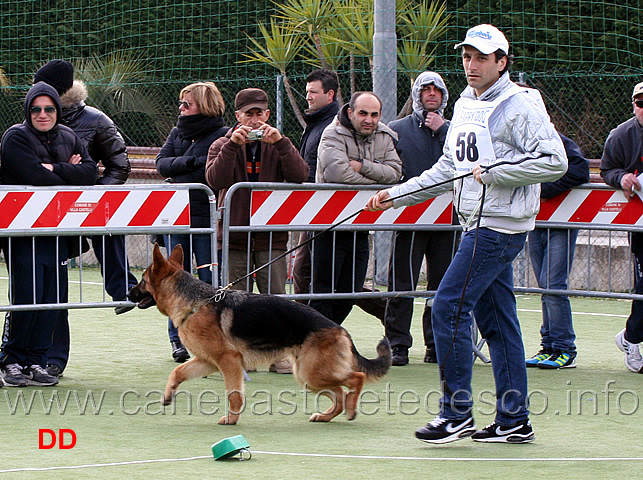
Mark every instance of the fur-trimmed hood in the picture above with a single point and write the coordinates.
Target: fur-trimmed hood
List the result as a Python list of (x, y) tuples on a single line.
[(75, 95)]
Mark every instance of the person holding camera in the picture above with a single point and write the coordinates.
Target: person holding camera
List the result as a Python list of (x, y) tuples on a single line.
[(253, 151)]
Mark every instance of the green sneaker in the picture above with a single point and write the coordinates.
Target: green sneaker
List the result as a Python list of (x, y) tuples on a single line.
[(539, 357), (559, 360)]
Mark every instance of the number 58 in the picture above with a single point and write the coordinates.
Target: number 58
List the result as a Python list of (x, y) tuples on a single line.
[(468, 150)]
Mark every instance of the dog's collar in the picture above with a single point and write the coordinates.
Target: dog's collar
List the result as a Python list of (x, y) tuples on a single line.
[(217, 297)]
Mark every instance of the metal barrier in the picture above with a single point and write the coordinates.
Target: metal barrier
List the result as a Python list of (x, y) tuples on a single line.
[(79, 212), (600, 213)]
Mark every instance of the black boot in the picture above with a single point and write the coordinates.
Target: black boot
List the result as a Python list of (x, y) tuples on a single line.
[(400, 356), (429, 356)]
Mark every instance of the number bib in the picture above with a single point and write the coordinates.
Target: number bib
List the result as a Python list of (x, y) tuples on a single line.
[(469, 138)]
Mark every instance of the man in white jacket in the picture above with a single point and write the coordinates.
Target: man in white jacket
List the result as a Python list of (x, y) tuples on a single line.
[(500, 146)]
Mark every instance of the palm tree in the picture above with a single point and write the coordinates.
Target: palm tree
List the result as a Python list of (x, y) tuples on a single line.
[(338, 29), (114, 86), (4, 80), (280, 46), (310, 17), (420, 30)]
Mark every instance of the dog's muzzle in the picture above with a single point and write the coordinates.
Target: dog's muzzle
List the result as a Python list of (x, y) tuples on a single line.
[(142, 298)]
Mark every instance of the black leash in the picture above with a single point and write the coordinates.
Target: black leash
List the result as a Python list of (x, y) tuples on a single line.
[(443, 383), (221, 290)]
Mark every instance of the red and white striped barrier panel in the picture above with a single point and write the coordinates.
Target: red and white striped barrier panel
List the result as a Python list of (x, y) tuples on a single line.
[(73, 210), (300, 208), (595, 206), (325, 207)]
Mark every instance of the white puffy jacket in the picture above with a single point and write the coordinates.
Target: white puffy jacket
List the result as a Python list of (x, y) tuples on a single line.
[(523, 137)]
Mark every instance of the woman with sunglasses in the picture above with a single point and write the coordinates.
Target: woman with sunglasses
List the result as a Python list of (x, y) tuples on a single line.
[(38, 152), (182, 160)]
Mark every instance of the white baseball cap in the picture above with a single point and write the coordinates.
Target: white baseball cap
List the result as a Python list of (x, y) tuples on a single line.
[(485, 38), (638, 90)]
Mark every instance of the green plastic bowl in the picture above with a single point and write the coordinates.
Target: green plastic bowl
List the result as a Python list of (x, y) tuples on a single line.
[(228, 447)]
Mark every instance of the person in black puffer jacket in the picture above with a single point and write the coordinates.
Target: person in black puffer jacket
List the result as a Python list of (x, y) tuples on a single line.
[(38, 152), (182, 160), (106, 146)]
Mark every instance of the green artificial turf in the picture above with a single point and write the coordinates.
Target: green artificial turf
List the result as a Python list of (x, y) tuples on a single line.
[(587, 420)]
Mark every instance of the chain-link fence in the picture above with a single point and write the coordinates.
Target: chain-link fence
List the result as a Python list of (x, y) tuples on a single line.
[(136, 55)]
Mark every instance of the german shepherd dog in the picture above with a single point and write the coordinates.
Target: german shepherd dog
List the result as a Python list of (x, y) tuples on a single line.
[(232, 330)]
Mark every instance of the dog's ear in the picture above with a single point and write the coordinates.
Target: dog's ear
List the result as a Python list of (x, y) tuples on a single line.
[(177, 255), (158, 260), (159, 265), (157, 256)]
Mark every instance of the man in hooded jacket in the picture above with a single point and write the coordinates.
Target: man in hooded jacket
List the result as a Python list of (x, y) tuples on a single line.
[(38, 152), (421, 138)]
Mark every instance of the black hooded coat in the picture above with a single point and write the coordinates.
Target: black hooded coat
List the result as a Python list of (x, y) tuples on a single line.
[(25, 149)]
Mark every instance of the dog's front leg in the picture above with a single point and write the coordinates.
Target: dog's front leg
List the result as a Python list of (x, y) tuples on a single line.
[(231, 366), (190, 369)]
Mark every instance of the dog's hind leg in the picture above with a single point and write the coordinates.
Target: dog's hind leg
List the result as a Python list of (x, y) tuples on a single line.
[(231, 366), (193, 368), (336, 396), (355, 383)]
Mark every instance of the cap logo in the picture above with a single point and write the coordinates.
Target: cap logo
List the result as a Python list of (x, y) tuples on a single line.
[(481, 34)]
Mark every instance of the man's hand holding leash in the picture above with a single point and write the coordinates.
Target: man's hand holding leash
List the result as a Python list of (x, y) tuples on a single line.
[(380, 201)]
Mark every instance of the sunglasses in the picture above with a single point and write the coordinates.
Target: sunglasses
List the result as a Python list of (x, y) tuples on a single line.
[(639, 103), (184, 104), (48, 110)]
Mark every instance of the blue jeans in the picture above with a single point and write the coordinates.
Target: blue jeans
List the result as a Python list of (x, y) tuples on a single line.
[(489, 294), (201, 250), (552, 253), (116, 273)]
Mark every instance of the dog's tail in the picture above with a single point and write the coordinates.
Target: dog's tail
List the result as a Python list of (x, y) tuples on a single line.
[(377, 367)]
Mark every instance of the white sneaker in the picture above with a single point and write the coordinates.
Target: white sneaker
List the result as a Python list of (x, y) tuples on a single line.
[(633, 359)]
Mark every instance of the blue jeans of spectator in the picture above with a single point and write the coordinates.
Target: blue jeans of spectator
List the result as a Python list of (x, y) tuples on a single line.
[(114, 265), (552, 253), (489, 294), (200, 249)]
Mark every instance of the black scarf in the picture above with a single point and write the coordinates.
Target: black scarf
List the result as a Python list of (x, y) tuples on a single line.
[(192, 127)]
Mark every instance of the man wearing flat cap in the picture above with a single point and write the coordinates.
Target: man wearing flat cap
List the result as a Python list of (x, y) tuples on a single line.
[(621, 163), (253, 151), (500, 146)]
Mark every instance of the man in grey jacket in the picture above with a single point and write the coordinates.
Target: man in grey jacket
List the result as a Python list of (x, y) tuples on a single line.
[(356, 148), (421, 138), (500, 146)]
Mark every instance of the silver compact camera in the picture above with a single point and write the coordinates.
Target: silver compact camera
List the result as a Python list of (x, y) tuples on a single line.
[(255, 135)]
